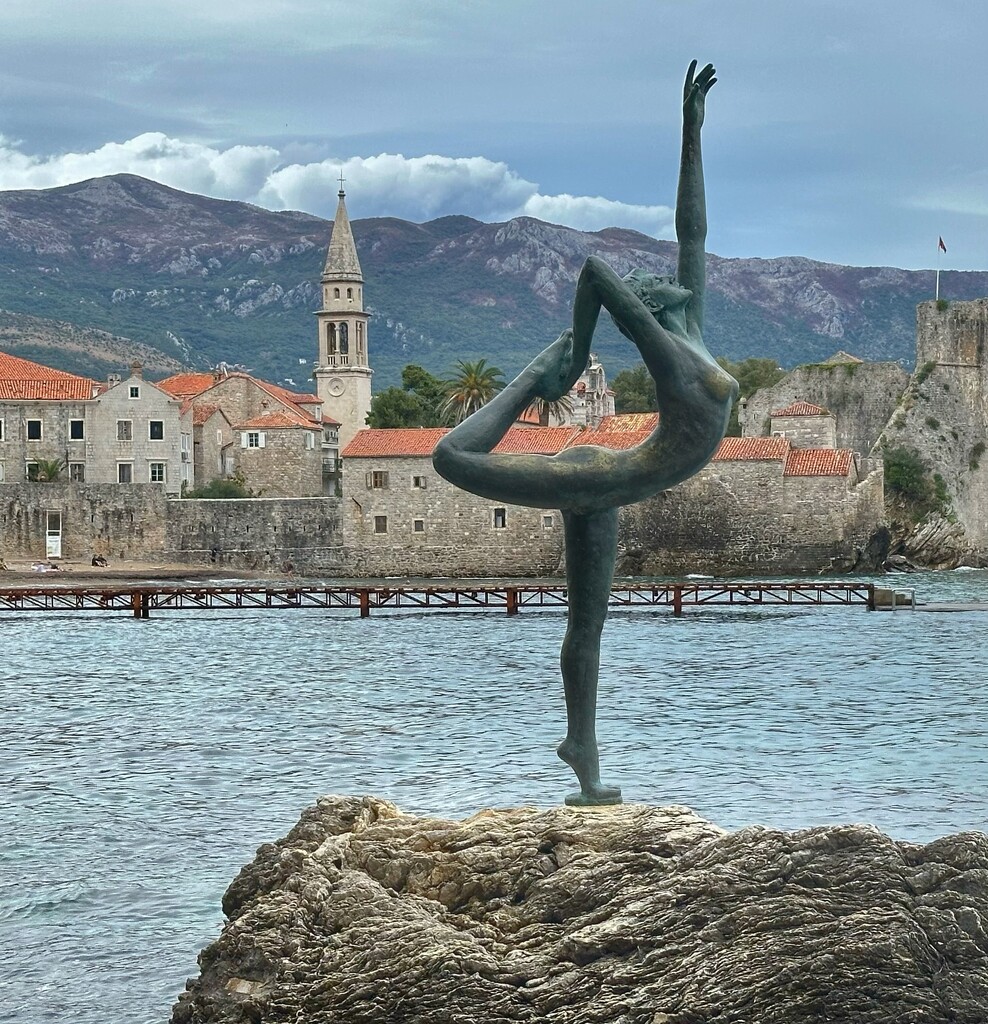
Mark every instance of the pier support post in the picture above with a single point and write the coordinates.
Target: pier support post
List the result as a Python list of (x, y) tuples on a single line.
[(677, 600), (512, 600), (364, 603)]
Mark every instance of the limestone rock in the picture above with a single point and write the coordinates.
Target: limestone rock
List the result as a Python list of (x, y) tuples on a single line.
[(626, 914)]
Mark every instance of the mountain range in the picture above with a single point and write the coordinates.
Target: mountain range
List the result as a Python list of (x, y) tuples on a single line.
[(97, 273)]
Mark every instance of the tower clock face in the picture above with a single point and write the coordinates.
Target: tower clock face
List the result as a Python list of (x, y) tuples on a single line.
[(336, 387)]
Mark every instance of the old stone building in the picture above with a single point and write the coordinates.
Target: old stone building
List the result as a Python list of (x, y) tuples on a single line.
[(127, 431), (276, 440)]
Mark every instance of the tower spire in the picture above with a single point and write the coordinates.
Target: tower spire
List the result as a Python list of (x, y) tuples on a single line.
[(341, 260)]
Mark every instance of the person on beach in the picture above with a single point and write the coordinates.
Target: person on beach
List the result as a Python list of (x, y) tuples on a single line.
[(664, 318)]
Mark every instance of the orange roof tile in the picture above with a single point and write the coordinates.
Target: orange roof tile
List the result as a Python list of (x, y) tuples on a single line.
[(187, 385), (802, 409), (637, 421), (278, 419), (201, 412), (818, 462), (24, 380), (614, 439), (536, 440), (733, 449), (397, 441)]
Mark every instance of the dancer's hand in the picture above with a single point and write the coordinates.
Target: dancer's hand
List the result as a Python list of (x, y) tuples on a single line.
[(695, 92)]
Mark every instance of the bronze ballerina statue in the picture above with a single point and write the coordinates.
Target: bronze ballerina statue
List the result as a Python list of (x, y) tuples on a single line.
[(664, 318)]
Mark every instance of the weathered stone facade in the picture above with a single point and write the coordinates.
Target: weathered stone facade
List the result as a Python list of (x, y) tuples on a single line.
[(401, 518), (862, 397), (141, 523), (943, 416), (752, 518), (131, 432), (276, 534)]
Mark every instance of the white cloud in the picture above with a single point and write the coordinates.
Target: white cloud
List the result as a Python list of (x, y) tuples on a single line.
[(389, 184)]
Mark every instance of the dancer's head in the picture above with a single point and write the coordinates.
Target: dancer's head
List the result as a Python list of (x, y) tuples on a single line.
[(664, 298)]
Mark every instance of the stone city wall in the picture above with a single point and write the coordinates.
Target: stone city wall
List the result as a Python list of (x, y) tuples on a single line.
[(105, 519), (748, 519)]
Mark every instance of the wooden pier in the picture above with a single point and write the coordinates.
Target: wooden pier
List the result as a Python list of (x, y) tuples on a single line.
[(141, 600)]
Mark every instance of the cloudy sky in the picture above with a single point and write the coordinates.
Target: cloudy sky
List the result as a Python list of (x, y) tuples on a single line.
[(851, 131)]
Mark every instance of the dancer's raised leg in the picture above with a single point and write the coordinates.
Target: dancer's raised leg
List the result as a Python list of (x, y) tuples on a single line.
[(591, 549)]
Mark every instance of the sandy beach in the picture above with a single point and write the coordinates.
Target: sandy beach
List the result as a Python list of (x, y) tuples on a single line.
[(21, 572)]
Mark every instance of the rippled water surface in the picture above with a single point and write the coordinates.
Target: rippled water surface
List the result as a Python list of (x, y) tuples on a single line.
[(141, 763)]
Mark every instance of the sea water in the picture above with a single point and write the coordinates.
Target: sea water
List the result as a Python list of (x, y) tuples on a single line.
[(142, 762)]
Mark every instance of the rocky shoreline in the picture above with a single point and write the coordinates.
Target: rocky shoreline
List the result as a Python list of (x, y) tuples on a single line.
[(630, 914)]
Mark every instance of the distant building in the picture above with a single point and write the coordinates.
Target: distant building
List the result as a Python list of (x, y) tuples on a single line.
[(276, 440), (342, 372), (127, 431)]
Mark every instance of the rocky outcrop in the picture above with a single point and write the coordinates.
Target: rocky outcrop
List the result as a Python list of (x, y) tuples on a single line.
[(626, 914), (862, 396)]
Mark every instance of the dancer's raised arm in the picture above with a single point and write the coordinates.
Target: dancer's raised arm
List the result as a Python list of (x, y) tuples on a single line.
[(691, 204)]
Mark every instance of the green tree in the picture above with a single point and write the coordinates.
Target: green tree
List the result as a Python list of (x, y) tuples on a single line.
[(561, 409), (49, 470), (471, 386), (415, 404), (634, 391), (751, 374)]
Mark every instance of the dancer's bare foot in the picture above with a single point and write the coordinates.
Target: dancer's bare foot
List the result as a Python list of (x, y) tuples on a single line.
[(553, 371), (583, 759)]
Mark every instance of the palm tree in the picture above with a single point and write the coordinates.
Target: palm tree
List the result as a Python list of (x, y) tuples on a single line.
[(561, 409), (49, 470), (471, 386)]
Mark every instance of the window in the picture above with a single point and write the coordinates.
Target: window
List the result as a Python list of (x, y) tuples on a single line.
[(135, 391), (157, 473), (1, 430), (349, 293), (418, 526), (219, 437), (34, 430), (77, 430), (156, 430), (548, 522), (252, 439), (380, 524), (310, 441), (377, 480), (31, 471), (125, 472), (1, 472), (336, 293), (418, 483), (125, 430), (77, 472), (500, 518)]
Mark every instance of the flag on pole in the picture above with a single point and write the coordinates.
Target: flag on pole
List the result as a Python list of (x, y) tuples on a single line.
[(941, 246)]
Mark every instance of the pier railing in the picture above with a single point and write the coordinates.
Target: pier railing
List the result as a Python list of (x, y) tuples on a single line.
[(141, 600)]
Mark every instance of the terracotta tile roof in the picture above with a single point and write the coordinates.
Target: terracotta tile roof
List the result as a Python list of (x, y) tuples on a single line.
[(284, 395), (187, 385), (615, 439), (818, 462), (529, 416), (802, 409), (536, 440), (24, 380), (279, 419), (733, 449), (398, 441), (637, 421), (201, 412)]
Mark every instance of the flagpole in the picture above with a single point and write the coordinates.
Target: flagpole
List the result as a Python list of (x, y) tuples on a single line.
[(940, 248)]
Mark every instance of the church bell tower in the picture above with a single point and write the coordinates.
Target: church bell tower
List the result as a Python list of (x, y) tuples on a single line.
[(343, 373)]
